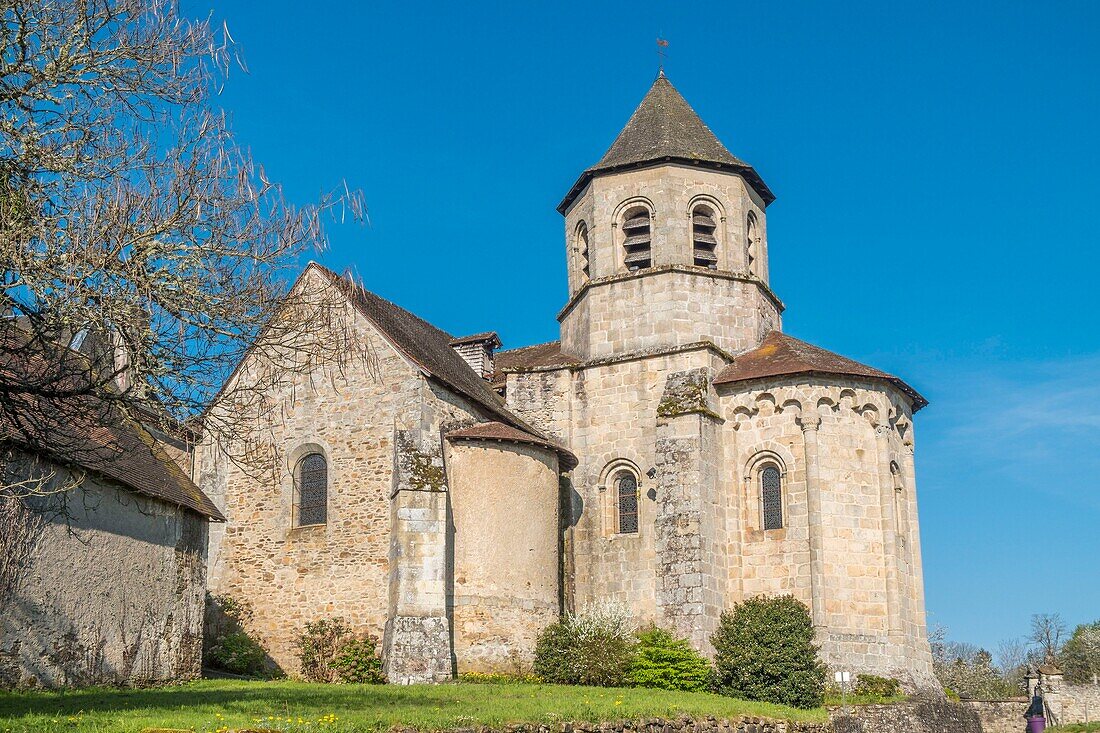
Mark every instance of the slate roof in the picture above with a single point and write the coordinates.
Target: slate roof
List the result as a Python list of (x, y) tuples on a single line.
[(45, 413), (664, 128), (478, 338), (783, 355), (429, 348), (509, 434), (548, 354)]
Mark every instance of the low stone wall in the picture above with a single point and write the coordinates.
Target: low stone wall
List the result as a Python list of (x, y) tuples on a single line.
[(1069, 703), (744, 724), (933, 716)]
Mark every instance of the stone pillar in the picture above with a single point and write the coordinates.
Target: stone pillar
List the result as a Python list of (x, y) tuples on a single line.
[(417, 640), (689, 561), (810, 423), (887, 502), (916, 616)]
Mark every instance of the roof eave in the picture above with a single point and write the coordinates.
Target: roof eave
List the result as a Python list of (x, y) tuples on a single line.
[(747, 171), (915, 397)]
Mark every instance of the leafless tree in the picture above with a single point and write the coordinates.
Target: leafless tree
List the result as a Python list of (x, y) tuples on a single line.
[(1047, 632), (142, 250)]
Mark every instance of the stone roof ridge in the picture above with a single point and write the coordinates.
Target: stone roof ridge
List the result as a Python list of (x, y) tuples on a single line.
[(782, 355)]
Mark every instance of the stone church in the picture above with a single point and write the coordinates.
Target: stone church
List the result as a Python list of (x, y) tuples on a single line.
[(675, 451)]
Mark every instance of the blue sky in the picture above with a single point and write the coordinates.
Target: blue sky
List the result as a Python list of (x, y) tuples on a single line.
[(935, 165)]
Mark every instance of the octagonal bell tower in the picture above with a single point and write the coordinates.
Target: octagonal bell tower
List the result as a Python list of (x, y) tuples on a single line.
[(666, 240)]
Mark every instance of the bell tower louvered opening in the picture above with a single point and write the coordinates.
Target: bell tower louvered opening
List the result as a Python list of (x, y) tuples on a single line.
[(704, 227), (638, 239)]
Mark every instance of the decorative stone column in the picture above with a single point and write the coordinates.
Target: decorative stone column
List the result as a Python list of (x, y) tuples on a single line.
[(690, 565), (887, 502), (809, 424)]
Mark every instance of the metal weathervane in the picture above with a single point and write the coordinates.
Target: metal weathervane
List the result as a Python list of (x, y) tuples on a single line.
[(661, 55)]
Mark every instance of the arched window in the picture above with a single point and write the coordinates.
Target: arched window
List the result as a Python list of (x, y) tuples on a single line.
[(580, 247), (637, 238), (704, 225), (626, 491), (752, 241), (771, 496), (311, 483)]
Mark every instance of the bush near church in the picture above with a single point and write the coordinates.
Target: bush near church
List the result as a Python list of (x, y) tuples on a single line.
[(595, 647), (600, 647), (227, 645), (764, 650), (329, 651), (664, 662)]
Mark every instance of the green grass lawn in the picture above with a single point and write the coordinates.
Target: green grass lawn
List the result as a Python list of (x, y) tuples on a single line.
[(212, 705), (1076, 728)]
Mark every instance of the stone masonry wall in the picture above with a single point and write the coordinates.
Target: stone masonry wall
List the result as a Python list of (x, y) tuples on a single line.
[(849, 546), (111, 592), (506, 587), (607, 414), (674, 303), (382, 554), (1066, 702), (932, 716), (292, 575)]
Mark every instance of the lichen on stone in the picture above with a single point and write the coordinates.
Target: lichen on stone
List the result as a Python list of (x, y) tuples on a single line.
[(685, 393)]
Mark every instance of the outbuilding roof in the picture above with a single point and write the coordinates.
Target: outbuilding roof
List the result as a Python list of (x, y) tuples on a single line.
[(783, 355), (48, 411), (664, 128)]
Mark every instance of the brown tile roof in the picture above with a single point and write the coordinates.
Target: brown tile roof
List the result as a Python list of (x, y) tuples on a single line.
[(664, 127), (528, 357), (783, 355), (47, 409), (509, 434)]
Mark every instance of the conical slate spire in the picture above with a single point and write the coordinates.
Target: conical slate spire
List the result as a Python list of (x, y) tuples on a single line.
[(665, 129), (665, 126)]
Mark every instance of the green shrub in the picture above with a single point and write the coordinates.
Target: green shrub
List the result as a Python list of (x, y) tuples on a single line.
[(764, 651), (329, 652), (553, 652), (227, 645), (870, 685), (358, 662), (237, 653), (595, 647), (665, 662)]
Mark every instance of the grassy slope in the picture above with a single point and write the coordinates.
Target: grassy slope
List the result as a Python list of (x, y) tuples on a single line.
[(1077, 728), (211, 705)]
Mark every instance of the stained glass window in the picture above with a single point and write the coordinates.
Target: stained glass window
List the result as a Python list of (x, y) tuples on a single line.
[(628, 503), (771, 494), (312, 490)]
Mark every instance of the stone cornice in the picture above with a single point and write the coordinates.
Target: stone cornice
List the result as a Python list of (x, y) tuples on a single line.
[(631, 356), (663, 269)]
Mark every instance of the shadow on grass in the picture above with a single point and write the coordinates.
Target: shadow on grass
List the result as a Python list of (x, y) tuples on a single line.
[(241, 696)]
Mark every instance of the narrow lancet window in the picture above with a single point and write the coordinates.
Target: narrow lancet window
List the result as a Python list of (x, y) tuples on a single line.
[(581, 248), (703, 240), (627, 488), (752, 240), (312, 486), (638, 239), (771, 497)]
